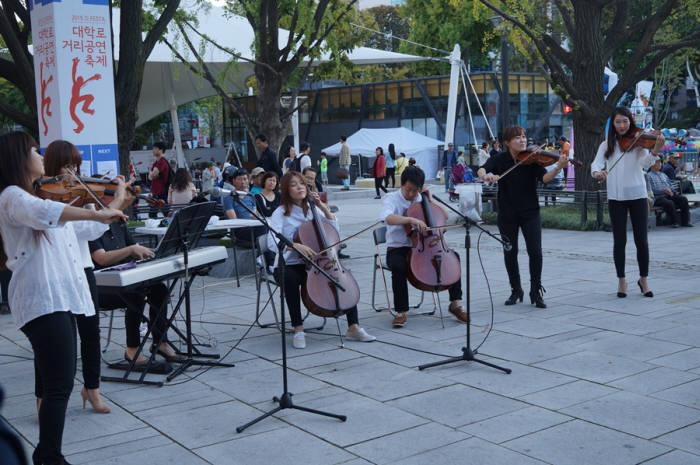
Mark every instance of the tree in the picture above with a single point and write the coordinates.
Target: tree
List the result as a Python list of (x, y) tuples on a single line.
[(442, 24), (594, 33), (18, 68), (276, 67)]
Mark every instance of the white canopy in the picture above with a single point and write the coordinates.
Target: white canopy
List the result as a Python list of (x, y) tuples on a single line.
[(165, 75), (423, 148)]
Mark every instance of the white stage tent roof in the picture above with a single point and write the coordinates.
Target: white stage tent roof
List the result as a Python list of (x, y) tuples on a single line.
[(423, 148)]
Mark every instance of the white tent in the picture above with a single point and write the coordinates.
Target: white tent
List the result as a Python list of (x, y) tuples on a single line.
[(423, 148)]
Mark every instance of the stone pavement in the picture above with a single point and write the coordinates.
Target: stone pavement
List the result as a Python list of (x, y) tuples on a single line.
[(596, 379)]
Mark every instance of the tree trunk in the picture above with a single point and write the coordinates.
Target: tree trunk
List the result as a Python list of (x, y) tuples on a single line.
[(269, 108), (587, 76)]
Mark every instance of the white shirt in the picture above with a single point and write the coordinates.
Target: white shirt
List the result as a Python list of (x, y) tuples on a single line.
[(288, 226), (483, 157), (626, 180), (47, 272), (304, 162), (394, 203)]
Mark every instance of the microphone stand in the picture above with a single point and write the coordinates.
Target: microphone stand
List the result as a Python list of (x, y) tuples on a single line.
[(468, 354), (284, 401)]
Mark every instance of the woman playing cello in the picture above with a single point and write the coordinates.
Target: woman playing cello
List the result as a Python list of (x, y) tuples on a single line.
[(519, 208), (294, 211)]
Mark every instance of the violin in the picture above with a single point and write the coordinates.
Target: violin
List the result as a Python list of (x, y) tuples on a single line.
[(532, 155), (320, 296), (638, 137), (432, 265), (67, 190)]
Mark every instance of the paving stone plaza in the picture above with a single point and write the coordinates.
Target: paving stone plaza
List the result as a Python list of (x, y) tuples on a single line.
[(596, 379)]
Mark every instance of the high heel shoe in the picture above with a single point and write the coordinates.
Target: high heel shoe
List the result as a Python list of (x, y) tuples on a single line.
[(645, 294), (515, 295), (621, 294), (97, 405), (536, 294)]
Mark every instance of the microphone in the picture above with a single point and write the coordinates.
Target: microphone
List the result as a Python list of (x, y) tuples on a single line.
[(219, 192)]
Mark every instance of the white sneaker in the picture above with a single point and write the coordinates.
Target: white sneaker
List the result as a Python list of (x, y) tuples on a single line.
[(143, 328), (359, 335), (299, 340)]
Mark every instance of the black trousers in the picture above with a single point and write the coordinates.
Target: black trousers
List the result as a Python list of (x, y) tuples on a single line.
[(135, 302), (153, 212), (397, 261), (530, 223), (390, 177), (89, 332), (378, 185), (670, 204), (294, 276), (639, 212), (53, 341)]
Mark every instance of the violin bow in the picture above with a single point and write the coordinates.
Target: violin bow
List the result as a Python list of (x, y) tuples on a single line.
[(87, 188), (520, 162), (349, 237)]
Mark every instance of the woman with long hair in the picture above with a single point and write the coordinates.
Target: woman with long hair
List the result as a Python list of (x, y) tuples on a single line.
[(519, 209), (59, 155), (627, 192), (379, 171), (48, 286), (390, 167), (182, 189), (269, 199), (294, 210)]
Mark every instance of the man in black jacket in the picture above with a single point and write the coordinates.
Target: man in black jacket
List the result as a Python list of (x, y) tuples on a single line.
[(268, 158)]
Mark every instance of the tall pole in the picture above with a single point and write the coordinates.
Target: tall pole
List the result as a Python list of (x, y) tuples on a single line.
[(456, 63), (505, 97)]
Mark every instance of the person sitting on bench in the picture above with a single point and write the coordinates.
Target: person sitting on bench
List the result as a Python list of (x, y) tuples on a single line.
[(665, 197)]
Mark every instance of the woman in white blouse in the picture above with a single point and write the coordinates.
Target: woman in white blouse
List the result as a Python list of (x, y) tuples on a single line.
[(287, 218), (40, 246), (182, 189), (626, 193)]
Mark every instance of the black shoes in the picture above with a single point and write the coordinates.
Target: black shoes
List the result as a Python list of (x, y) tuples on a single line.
[(645, 294), (342, 255), (536, 293), (515, 294)]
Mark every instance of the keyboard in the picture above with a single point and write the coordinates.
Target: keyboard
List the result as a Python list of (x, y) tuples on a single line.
[(135, 273)]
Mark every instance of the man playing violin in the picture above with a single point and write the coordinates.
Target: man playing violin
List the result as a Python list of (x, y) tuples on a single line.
[(393, 214), (519, 208)]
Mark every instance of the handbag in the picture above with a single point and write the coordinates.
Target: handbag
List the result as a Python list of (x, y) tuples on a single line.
[(341, 173)]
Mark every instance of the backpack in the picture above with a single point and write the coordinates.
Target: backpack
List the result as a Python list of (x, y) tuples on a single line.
[(296, 163), (458, 172)]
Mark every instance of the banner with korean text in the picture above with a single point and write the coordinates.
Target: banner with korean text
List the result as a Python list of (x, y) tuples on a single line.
[(74, 79)]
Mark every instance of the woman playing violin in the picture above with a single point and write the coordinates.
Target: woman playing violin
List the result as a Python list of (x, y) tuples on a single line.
[(626, 192), (59, 155), (48, 286), (519, 208), (293, 211)]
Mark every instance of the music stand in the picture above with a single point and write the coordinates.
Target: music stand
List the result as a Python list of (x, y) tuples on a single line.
[(468, 354), (183, 234)]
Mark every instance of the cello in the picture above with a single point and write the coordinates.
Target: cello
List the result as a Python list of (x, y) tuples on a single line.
[(432, 266), (320, 296)]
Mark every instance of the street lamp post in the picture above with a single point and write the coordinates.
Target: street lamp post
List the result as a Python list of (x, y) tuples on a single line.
[(505, 89)]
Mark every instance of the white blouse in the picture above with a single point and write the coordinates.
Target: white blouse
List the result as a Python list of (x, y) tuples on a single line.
[(626, 180), (288, 226), (47, 271), (394, 203)]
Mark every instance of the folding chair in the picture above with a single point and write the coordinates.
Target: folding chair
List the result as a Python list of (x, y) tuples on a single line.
[(263, 276), (379, 235), (111, 321)]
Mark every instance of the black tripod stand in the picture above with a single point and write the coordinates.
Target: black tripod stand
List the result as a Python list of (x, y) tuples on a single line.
[(284, 401), (467, 353)]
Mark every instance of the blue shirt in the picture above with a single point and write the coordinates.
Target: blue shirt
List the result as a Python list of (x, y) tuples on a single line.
[(241, 212), (390, 162), (658, 182)]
